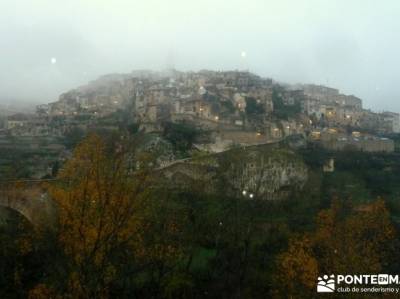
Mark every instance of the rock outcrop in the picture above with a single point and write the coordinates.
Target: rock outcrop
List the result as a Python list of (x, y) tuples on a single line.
[(268, 172)]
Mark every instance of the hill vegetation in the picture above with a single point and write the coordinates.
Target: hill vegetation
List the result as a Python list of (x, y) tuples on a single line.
[(127, 234)]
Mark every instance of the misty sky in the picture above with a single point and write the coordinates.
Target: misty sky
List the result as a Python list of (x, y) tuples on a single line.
[(50, 46)]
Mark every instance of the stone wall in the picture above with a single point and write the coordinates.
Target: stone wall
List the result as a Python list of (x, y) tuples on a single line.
[(366, 145), (243, 137)]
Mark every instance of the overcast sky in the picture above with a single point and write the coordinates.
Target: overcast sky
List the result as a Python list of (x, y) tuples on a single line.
[(50, 46)]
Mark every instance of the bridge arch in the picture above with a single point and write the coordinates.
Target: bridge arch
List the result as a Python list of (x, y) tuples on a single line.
[(28, 199)]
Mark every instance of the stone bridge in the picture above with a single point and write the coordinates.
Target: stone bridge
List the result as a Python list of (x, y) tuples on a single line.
[(28, 198)]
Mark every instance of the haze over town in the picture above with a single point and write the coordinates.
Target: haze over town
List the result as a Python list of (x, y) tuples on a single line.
[(49, 47), (237, 149)]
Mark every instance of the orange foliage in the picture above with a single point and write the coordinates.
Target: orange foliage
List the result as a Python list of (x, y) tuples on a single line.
[(41, 291), (97, 202), (345, 241)]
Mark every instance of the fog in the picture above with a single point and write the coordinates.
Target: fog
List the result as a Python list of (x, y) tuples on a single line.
[(50, 46)]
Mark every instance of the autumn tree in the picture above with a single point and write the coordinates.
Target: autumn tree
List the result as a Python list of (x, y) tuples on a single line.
[(361, 239), (97, 196)]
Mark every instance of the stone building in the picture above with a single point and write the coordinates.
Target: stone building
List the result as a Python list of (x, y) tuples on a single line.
[(390, 122), (263, 96), (17, 121)]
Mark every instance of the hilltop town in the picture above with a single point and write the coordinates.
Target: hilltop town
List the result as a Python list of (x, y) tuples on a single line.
[(230, 108)]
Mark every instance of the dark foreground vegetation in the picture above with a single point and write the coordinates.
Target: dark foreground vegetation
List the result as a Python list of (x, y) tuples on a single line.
[(122, 234)]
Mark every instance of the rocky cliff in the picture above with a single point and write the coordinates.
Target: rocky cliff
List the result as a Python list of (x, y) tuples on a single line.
[(268, 172)]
